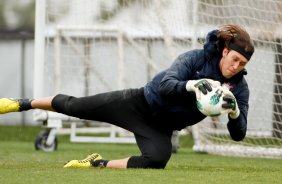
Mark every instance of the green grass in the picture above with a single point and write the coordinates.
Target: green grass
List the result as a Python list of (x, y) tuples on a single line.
[(20, 163)]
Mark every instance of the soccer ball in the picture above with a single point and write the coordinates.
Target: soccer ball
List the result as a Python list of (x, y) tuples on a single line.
[(211, 103)]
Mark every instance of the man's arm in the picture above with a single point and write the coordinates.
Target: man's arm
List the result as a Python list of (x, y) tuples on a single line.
[(176, 77), (238, 127)]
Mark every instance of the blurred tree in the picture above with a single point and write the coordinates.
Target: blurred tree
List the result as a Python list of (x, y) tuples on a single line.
[(107, 14), (2, 17), (17, 15), (25, 15)]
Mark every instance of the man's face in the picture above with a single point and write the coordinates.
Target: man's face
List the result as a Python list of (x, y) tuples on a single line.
[(231, 63)]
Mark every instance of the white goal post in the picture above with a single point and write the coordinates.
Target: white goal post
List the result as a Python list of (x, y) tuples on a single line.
[(85, 47)]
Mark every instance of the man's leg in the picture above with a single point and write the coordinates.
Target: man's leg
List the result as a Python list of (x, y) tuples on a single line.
[(44, 103), (155, 149), (17, 105), (120, 108), (112, 107), (155, 145), (122, 163)]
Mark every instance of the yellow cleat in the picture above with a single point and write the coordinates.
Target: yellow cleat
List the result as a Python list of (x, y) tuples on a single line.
[(9, 105), (83, 163)]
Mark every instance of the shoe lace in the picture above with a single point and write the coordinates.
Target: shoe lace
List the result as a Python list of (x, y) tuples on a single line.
[(89, 158)]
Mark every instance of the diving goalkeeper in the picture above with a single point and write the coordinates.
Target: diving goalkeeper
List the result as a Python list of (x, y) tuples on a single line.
[(166, 103)]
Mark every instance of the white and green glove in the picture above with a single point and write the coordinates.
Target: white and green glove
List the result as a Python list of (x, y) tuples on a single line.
[(201, 86), (230, 105)]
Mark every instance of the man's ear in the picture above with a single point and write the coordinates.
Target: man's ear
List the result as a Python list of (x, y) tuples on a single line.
[(225, 51)]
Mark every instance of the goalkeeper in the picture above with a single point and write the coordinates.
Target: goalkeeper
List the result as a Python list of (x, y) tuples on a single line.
[(166, 103)]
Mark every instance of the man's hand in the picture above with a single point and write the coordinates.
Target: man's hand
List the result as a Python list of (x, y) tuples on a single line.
[(231, 105), (202, 85)]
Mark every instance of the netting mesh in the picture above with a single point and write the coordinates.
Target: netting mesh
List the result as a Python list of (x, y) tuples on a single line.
[(97, 46)]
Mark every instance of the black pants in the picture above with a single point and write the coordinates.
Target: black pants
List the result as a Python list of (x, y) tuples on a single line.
[(127, 109)]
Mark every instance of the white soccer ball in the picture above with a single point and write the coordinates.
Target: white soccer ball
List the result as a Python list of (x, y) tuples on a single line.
[(211, 103)]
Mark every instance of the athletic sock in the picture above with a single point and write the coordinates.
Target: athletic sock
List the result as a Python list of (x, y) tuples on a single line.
[(25, 104), (99, 163)]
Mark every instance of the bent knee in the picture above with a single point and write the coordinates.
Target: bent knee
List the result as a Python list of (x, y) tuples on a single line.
[(156, 161)]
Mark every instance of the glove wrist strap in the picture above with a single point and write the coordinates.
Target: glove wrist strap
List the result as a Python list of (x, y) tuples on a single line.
[(234, 115)]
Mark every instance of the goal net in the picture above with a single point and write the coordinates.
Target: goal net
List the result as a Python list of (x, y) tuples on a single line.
[(85, 47)]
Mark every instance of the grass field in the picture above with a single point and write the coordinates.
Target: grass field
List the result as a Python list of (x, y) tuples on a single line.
[(20, 163)]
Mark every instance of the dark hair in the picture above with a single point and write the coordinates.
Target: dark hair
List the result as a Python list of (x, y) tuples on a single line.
[(235, 38)]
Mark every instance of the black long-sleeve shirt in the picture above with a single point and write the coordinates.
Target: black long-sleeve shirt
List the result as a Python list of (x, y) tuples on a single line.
[(172, 104)]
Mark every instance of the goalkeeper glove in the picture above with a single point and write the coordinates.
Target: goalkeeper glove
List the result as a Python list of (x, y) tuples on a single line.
[(202, 85), (231, 105)]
